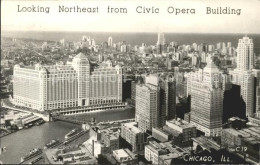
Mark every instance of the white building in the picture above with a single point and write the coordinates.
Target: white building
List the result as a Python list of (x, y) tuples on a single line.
[(110, 41), (242, 75), (62, 86)]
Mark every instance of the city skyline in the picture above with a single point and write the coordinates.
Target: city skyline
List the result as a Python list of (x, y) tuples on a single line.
[(176, 94)]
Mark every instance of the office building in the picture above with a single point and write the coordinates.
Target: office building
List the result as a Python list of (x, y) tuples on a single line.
[(167, 98), (110, 41), (133, 135), (207, 99), (242, 75), (147, 106), (71, 85), (160, 43)]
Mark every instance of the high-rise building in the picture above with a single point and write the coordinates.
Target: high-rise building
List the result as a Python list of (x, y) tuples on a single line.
[(207, 99), (195, 46), (147, 106), (155, 101), (242, 75), (194, 60), (110, 41), (167, 99), (245, 54), (160, 43), (63, 86)]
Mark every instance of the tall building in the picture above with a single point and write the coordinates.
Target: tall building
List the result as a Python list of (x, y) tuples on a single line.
[(110, 41), (147, 106), (245, 54), (155, 101), (167, 98), (207, 99), (71, 85), (242, 75), (160, 43)]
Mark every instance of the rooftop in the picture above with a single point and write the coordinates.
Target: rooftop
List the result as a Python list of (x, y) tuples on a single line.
[(206, 142), (133, 127), (80, 55), (181, 123)]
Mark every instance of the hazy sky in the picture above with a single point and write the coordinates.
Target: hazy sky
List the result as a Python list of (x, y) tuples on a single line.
[(247, 22)]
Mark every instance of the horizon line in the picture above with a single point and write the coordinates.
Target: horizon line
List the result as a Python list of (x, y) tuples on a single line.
[(127, 32)]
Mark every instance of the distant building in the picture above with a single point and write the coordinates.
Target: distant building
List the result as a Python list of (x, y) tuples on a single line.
[(110, 41), (160, 43)]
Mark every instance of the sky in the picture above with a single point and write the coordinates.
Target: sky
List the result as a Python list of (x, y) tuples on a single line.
[(200, 22)]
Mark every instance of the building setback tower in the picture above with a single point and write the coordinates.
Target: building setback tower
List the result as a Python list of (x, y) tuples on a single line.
[(110, 41), (81, 64), (160, 43), (71, 85), (207, 99), (243, 75), (245, 54)]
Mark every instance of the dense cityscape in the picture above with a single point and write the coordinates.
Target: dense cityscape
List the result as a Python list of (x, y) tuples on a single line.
[(116, 103)]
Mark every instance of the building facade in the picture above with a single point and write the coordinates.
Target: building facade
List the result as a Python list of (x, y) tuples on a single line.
[(71, 85), (242, 75), (207, 99), (133, 136), (147, 106)]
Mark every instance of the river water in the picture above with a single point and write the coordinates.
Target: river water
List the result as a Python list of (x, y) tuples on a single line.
[(19, 143)]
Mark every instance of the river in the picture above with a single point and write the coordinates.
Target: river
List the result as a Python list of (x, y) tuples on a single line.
[(19, 143)]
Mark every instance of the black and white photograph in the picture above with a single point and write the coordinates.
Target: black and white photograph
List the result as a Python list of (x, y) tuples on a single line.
[(130, 82)]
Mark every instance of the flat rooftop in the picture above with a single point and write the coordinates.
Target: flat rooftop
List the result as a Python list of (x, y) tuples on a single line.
[(133, 127)]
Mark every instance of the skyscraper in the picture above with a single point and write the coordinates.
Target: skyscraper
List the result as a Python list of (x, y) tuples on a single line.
[(242, 75), (110, 41), (168, 98), (245, 54), (147, 106), (160, 43), (155, 101), (207, 99)]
